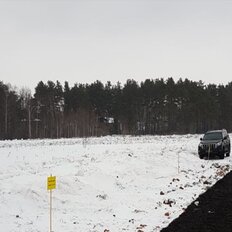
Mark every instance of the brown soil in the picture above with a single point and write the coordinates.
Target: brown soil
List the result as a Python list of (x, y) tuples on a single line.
[(210, 212)]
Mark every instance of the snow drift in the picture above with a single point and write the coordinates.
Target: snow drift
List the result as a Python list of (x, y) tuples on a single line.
[(113, 183)]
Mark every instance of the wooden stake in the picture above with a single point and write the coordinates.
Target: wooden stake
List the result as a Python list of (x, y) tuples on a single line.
[(50, 210), (51, 184)]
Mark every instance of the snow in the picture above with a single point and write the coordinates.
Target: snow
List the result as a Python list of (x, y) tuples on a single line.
[(113, 183)]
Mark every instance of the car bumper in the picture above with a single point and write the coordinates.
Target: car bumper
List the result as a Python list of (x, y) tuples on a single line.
[(208, 152)]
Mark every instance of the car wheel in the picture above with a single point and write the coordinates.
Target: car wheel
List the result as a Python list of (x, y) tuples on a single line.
[(201, 156), (228, 153), (222, 155)]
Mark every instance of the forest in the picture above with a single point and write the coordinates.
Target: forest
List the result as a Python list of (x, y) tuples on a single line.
[(154, 106)]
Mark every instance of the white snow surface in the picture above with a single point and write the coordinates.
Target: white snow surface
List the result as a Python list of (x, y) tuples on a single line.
[(105, 184)]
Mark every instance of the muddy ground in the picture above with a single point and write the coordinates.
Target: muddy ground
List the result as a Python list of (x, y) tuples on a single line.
[(210, 212)]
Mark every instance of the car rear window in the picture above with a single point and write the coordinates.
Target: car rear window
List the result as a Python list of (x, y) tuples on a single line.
[(213, 136)]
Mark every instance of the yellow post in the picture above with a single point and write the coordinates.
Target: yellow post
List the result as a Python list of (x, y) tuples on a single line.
[(51, 184), (209, 152)]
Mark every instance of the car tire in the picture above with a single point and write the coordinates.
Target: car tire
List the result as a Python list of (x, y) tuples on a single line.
[(228, 153), (201, 156), (222, 154)]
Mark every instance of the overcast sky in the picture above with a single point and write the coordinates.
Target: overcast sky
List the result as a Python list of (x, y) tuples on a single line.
[(115, 40)]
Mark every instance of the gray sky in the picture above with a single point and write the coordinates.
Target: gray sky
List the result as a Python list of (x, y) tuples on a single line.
[(83, 40)]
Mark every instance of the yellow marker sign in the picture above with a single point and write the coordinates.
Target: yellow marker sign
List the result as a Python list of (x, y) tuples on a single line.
[(51, 184)]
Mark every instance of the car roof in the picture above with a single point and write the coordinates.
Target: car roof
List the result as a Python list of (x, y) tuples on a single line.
[(212, 131)]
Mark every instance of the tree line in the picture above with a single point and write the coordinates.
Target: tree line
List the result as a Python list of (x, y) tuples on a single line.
[(154, 106)]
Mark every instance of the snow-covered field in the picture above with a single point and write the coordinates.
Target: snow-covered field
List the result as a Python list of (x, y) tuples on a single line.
[(118, 183)]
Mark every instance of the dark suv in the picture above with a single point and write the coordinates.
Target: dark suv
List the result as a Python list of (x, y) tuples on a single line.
[(216, 142)]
